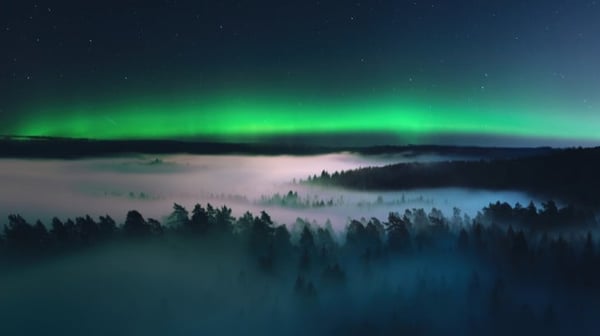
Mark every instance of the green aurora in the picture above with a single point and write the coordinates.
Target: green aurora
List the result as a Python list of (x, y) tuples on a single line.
[(235, 116), (458, 72)]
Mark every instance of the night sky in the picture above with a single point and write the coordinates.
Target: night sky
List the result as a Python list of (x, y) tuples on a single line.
[(469, 72)]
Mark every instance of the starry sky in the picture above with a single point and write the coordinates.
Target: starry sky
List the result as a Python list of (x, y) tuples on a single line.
[(460, 72)]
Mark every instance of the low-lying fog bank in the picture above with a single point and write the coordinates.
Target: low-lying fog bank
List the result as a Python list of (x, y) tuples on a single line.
[(40, 189)]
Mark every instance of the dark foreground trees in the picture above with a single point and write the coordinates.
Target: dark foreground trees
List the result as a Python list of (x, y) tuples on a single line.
[(524, 239), (503, 251), (399, 233)]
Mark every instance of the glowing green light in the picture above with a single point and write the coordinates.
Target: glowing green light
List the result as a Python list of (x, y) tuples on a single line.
[(231, 116)]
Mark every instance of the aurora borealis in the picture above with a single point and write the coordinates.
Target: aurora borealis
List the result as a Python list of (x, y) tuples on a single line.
[(300, 167), (246, 70), (229, 117)]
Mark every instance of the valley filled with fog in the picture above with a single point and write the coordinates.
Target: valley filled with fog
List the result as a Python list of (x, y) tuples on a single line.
[(240, 244), (42, 189)]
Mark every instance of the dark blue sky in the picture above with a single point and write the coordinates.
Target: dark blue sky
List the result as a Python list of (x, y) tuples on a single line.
[(533, 52)]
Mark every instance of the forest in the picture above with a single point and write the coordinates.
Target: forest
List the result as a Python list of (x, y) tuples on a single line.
[(511, 269), (72, 148), (566, 174)]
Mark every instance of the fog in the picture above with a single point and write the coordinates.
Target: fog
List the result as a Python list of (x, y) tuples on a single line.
[(41, 189), (420, 275), (184, 288), (177, 286)]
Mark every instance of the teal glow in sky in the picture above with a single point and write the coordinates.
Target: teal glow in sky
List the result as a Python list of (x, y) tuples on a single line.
[(239, 116), (234, 70)]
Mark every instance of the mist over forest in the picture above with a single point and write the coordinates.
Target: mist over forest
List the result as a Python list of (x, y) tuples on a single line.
[(41, 189), (232, 244), (511, 269), (227, 167)]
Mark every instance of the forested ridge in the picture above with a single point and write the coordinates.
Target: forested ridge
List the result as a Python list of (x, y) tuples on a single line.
[(569, 174), (72, 148)]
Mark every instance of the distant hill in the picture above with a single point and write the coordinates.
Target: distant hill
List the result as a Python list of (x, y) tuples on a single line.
[(569, 174), (68, 148)]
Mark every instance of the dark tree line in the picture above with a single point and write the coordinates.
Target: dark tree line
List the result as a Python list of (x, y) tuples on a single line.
[(19, 235), (516, 245), (68, 148), (526, 239), (292, 200), (570, 174)]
